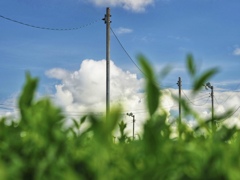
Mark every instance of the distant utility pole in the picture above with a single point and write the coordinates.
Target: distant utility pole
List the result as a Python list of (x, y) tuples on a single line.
[(212, 96), (107, 22), (179, 83), (208, 85), (132, 115)]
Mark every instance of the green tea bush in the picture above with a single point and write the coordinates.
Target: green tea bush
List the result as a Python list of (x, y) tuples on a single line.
[(37, 145)]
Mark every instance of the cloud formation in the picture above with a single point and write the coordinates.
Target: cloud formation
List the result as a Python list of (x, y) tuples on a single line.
[(122, 30), (85, 88), (236, 52), (82, 91), (133, 5)]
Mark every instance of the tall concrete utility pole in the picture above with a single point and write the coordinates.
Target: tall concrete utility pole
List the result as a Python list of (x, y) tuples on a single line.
[(107, 22)]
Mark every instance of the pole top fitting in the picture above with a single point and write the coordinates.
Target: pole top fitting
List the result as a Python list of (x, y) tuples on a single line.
[(130, 114)]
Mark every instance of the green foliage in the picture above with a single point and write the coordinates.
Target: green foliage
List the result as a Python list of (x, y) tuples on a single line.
[(38, 145), (201, 80), (191, 66), (152, 90), (198, 80), (123, 136)]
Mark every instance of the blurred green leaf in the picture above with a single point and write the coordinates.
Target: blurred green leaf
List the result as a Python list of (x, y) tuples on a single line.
[(27, 95), (152, 89), (191, 66), (83, 119), (200, 81), (123, 137), (76, 123), (165, 71), (152, 97), (147, 69)]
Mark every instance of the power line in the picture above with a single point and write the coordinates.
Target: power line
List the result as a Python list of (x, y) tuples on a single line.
[(127, 52), (217, 101), (124, 49), (200, 98), (228, 97), (196, 100), (47, 28), (231, 93), (232, 113)]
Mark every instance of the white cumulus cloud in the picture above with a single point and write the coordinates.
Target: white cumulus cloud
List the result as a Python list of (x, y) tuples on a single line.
[(134, 5), (85, 89)]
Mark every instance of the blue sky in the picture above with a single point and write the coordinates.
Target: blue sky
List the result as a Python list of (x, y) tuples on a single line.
[(165, 31)]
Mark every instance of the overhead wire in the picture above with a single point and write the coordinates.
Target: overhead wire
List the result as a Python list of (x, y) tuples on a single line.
[(235, 111), (77, 28), (192, 102), (6, 106), (126, 51), (216, 100), (232, 113), (200, 98), (231, 94), (228, 97), (47, 28)]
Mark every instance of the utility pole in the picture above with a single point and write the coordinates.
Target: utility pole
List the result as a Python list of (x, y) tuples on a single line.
[(212, 96), (208, 85), (107, 22), (179, 83), (132, 115)]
